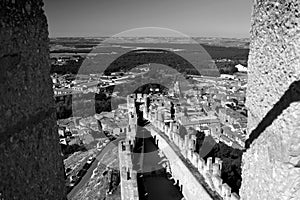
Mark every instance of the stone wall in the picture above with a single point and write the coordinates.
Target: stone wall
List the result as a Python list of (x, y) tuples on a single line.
[(211, 185), (31, 166), (128, 176), (191, 181), (271, 168)]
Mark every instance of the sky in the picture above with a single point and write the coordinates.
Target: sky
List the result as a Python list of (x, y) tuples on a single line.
[(195, 18)]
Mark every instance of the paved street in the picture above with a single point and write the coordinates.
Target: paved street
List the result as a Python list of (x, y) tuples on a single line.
[(89, 173)]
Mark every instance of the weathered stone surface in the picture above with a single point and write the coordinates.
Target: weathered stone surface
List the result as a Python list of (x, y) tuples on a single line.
[(271, 167), (31, 166)]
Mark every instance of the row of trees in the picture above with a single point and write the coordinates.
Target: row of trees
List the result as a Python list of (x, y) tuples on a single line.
[(86, 104)]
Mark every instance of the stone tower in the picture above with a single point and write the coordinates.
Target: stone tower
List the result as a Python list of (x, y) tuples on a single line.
[(132, 117), (271, 167), (31, 166)]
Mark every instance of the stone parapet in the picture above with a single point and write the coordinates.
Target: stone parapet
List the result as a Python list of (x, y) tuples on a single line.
[(31, 163), (270, 167), (210, 170), (128, 176)]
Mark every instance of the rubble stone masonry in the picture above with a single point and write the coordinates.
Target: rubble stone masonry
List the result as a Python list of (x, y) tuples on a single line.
[(271, 167), (31, 165)]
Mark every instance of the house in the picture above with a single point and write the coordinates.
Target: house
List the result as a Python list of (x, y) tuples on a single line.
[(241, 68), (227, 76), (61, 131), (63, 141)]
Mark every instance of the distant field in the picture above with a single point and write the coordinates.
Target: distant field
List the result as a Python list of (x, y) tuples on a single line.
[(215, 51), (191, 52), (224, 42)]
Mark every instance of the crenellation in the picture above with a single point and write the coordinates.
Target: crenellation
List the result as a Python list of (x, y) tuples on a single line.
[(211, 171), (195, 158), (216, 169), (128, 176), (167, 130), (217, 182), (127, 147), (201, 165), (219, 161), (192, 142), (176, 128), (156, 116), (140, 98), (209, 164), (189, 155), (161, 126), (121, 146), (226, 191)]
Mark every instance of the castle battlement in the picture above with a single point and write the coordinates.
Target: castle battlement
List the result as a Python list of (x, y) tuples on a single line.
[(126, 145), (128, 176), (210, 170), (142, 98), (212, 173)]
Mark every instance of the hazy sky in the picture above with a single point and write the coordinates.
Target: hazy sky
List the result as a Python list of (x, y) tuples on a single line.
[(215, 18)]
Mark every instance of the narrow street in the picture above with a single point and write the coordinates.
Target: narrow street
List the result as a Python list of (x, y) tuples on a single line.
[(89, 172)]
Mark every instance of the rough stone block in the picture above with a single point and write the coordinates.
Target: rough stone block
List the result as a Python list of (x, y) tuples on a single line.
[(31, 164), (271, 164)]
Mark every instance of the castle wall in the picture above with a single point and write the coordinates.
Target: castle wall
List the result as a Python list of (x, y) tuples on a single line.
[(31, 166), (270, 167), (128, 176), (206, 175), (192, 188)]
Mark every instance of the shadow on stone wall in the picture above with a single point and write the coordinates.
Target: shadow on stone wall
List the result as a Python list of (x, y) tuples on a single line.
[(290, 96)]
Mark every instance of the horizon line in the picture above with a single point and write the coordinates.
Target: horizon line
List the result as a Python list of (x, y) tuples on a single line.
[(52, 37)]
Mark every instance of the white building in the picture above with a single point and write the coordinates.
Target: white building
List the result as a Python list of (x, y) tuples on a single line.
[(226, 76), (241, 68)]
